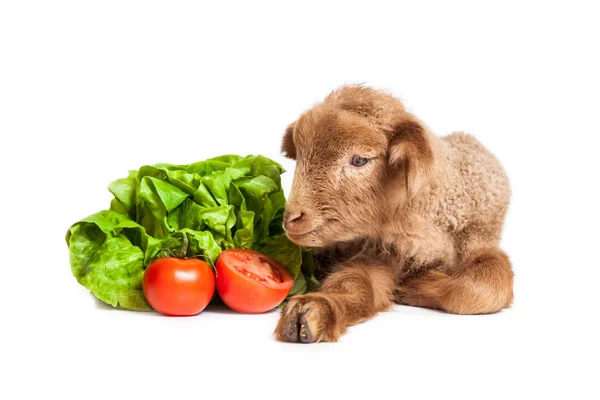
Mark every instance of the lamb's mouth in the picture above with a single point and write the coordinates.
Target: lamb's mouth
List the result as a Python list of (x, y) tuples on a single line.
[(311, 238), (298, 237)]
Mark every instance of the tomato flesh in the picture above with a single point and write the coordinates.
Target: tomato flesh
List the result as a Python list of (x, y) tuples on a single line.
[(250, 282), (178, 287)]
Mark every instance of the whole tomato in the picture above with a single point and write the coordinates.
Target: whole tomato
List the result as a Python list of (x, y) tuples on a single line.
[(178, 287)]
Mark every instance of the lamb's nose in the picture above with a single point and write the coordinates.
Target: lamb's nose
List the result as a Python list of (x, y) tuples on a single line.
[(292, 219)]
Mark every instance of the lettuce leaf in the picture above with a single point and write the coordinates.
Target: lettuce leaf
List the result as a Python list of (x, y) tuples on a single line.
[(220, 203)]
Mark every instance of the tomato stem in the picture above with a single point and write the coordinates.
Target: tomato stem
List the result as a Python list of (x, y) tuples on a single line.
[(168, 253), (184, 246), (181, 252)]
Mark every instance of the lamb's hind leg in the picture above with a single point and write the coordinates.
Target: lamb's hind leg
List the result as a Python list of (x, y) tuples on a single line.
[(483, 285)]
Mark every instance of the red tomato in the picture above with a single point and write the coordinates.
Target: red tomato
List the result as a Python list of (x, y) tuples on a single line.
[(179, 287), (251, 282)]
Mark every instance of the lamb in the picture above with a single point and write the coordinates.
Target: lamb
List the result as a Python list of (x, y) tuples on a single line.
[(395, 214)]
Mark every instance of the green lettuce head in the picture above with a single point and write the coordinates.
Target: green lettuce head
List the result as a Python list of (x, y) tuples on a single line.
[(221, 203)]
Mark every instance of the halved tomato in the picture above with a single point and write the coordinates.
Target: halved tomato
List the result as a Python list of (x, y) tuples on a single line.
[(251, 282)]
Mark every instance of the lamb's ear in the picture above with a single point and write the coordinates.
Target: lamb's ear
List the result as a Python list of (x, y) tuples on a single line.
[(410, 146), (288, 148)]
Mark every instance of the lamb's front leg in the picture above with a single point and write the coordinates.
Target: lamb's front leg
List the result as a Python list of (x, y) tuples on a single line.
[(355, 292)]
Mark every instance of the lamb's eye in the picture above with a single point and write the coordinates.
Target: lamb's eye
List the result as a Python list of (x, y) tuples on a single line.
[(358, 161)]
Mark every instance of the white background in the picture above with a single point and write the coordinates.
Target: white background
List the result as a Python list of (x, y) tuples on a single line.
[(89, 90)]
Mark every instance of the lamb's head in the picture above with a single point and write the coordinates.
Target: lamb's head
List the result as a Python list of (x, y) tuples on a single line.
[(359, 156)]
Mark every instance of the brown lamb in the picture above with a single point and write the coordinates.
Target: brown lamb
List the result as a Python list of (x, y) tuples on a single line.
[(395, 214)]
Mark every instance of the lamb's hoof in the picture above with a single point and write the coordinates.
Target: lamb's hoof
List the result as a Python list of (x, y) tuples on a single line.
[(306, 335), (308, 319)]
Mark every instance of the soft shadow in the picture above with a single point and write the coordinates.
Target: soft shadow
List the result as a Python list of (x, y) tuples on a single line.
[(220, 308), (216, 306), (100, 305)]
